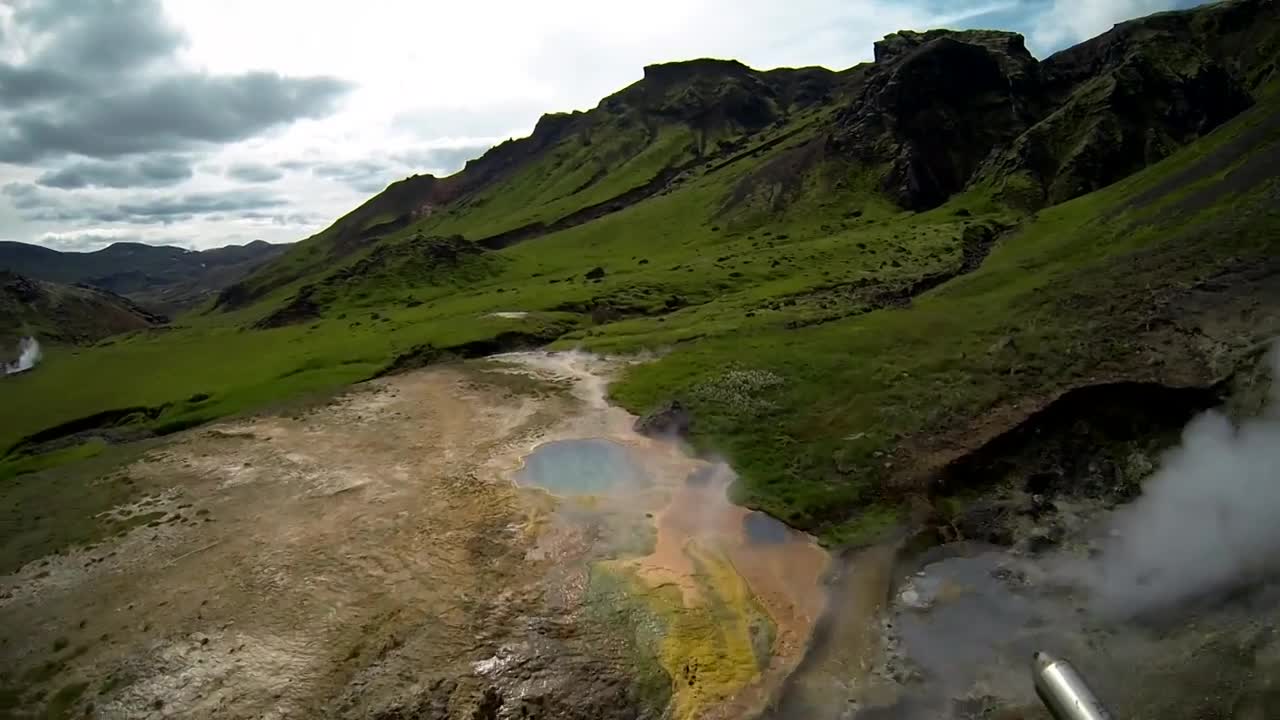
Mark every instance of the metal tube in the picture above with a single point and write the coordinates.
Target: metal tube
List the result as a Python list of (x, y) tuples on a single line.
[(1064, 692)]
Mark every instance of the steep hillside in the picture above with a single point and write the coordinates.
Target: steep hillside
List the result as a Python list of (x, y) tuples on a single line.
[(72, 314), (936, 113), (573, 168), (165, 279)]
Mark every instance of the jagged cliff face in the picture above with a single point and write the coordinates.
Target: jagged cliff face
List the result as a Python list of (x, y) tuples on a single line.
[(679, 114), (943, 110), (934, 106), (1129, 98)]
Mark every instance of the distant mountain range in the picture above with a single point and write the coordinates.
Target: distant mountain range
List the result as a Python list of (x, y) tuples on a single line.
[(163, 279)]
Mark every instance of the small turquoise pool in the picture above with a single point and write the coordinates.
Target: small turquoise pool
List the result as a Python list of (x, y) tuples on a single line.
[(581, 467)]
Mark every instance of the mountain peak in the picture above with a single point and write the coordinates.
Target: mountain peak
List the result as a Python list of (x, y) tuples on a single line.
[(896, 45), (684, 69), (121, 247)]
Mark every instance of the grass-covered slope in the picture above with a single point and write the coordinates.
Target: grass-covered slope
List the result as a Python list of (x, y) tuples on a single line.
[(937, 113), (1171, 276), (572, 168), (837, 346)]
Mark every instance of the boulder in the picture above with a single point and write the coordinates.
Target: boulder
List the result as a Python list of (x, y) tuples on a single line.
[(671, 419)]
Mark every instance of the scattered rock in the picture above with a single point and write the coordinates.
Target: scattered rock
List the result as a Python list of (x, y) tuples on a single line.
[(987, 521)]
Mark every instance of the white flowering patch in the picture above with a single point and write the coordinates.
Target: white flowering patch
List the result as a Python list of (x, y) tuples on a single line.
[(740, 390)]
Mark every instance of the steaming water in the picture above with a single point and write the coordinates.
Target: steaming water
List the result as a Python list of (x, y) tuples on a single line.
[(953, 640), (28, 356), (1206, 520), (947, 642), (967, 626), (582, 467)]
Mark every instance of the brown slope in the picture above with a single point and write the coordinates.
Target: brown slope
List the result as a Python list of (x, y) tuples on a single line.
[(73, 314)]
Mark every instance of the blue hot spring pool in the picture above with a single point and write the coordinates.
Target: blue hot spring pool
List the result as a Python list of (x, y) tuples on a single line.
[(762, 529), (582, 467)]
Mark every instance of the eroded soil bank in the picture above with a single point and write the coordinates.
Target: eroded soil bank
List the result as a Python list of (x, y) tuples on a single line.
[(379, 557)]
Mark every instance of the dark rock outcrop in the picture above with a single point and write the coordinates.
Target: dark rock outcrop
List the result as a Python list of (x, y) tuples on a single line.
[(934, 107), (302, 307), (1126, 100), (670, 420), (19, 288), (942, 110), (1092, 446), (504, 342)]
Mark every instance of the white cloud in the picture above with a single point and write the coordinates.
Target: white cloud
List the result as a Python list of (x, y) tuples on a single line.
[(89, 239), (1070, 21)]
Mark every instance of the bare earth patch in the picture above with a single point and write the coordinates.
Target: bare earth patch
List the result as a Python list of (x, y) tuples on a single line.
[(375, 558), (280, 543)]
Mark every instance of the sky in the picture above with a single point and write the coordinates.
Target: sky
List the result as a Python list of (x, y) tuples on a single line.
[(203, 123)]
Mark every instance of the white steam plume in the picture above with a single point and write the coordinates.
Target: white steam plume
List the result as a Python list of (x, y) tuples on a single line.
[(28, 356), (1209, 518)]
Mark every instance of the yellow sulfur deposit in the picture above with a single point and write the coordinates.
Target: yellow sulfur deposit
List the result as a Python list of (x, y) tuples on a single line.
[(708, 648)]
